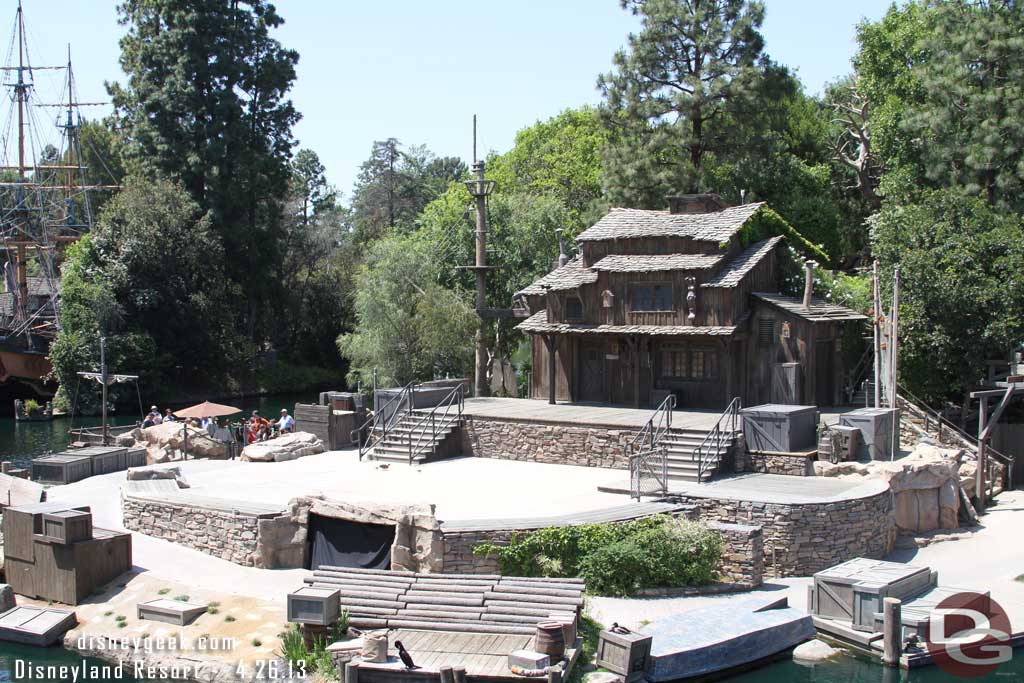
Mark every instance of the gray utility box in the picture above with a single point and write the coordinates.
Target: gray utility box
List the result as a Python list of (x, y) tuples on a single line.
[(312, 605), (66, 527), (854, 590), (62, 468), (780, 428), (877, 427)]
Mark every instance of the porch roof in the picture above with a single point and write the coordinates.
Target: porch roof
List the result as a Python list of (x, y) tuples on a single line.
[(819, 310), (538, 324), (647, 263), (570, 276)]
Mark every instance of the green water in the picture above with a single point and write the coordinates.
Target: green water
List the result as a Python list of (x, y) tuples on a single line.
[(22, 441), (97, 671), (848, 668)]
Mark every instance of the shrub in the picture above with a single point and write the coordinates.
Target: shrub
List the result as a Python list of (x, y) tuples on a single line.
[(32, 406), (615, 559), (293, 647)]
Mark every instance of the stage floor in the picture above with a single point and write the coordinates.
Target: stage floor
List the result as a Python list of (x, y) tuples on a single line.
[(600, 414), (770, 488)]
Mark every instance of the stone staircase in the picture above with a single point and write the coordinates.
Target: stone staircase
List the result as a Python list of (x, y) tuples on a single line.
[(414, 428), (683, 464)]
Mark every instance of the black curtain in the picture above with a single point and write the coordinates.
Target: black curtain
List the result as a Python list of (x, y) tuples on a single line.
[(343, 543)]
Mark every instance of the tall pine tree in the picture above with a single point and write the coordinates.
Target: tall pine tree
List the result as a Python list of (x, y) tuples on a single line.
[(206, 104), (689, 75)]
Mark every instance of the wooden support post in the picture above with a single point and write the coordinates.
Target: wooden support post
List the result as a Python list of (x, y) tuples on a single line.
[(351, 672), (549, 342), (979, 475), (447, 674), (460, 674), (892, 630), (555, 674), (5, 466)]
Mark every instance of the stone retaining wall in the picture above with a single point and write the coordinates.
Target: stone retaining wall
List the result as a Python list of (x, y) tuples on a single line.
[(792, 464), (562, 444), (229, 536), (742, 553), (803, 538)]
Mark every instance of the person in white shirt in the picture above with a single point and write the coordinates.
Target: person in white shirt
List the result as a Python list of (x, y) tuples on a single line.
[(286, 424)]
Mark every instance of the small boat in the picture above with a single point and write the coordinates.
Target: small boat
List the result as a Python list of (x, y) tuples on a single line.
[(728, 638), (30, 411)]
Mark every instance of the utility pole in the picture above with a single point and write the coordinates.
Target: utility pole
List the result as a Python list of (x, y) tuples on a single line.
[(103, 383), (480, 187)]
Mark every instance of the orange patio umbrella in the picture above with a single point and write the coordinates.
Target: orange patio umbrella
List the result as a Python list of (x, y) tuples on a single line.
[(207, 409), (204, 409)]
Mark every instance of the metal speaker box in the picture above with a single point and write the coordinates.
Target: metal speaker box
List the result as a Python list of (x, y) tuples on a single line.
[(317, 606)]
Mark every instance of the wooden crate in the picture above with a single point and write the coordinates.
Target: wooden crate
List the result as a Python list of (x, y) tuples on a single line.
[(135, 457), (61, 468), (312, 605), (780, 428), (624, 653), (854, 591), (71, 573), (105, 459), (66, 526), (313, 419), (23, 522)]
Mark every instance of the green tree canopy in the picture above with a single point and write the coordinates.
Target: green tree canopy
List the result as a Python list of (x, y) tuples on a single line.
[(962, 288)]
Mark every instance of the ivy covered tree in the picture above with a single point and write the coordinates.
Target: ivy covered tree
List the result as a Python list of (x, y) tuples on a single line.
[(206, 105)]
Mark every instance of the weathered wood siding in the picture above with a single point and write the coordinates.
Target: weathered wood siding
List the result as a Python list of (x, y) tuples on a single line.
[(564, 361)]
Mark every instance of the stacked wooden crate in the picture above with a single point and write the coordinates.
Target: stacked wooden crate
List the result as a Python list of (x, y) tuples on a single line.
[(481, 603), (854, 590), (54, 562)]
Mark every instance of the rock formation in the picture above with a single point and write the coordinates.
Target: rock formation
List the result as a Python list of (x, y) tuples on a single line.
[(165, 442), (284, 447)]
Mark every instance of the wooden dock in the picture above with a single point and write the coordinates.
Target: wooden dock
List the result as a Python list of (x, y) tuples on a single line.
[(483, 655), (39, 626)]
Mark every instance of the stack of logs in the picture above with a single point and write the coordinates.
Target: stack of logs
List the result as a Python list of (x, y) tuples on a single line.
[(481, 603)]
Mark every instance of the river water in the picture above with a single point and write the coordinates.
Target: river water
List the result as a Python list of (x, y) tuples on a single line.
[(22, 441)]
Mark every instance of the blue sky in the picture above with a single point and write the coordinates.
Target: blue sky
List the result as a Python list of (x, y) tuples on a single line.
[(418, 70)]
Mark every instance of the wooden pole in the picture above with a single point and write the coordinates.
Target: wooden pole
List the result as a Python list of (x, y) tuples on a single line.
[(351, 672), (555, 675), (447, 674), (460, 674), (103, 382), (979, 475), (892, 630), (877, 329), (5, 466), (549, 341)]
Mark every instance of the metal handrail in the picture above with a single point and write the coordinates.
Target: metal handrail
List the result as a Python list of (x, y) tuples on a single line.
[(915, 403), (377, 432), (455, 397), (650, 435), (731, 414)]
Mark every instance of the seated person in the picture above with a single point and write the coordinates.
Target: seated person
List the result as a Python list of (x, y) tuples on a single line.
[(169, 416), (255, 426), (286, 425)]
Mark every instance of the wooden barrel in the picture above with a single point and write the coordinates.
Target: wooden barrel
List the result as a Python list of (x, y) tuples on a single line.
[(550, 639)]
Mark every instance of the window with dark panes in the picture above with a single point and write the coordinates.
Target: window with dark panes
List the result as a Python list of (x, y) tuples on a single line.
[(574, 308), (656, 297)]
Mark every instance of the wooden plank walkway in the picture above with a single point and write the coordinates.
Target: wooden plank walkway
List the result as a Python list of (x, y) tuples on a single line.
[(618, 513), (603, 415), (484, 656)]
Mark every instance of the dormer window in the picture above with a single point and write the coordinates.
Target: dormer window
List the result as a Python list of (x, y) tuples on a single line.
[(573, 308), (651, 297)]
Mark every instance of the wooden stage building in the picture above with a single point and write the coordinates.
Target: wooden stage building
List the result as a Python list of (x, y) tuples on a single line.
[(686, 302)]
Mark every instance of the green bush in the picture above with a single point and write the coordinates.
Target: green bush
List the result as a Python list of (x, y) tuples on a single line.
[(615, 559), (32, 406)]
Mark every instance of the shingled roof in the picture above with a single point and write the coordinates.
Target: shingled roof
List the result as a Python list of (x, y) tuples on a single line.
[(732, 274), (569, 276), (538, 324), (715, 226), (818, 311), (643, 263)]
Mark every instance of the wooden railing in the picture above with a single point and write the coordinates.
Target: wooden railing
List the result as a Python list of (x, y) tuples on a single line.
[(437, 421), (377, 425), (717, 437)]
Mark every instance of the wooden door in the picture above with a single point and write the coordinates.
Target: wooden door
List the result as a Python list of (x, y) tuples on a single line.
[(592, 371), (824, 373)]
